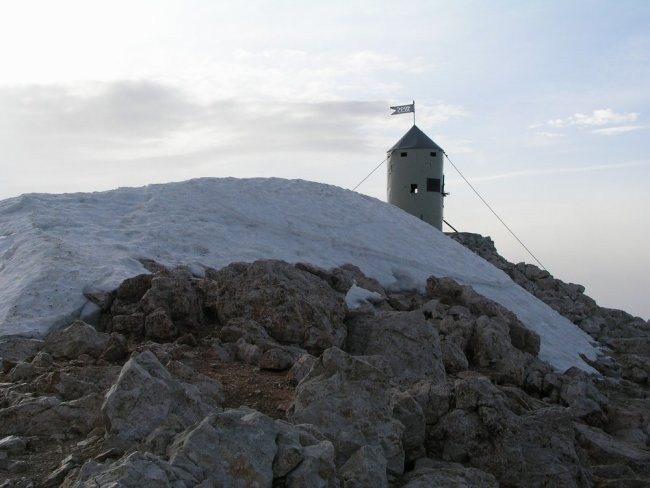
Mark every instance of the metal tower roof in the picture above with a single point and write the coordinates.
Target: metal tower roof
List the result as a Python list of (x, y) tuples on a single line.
[(415, 139)]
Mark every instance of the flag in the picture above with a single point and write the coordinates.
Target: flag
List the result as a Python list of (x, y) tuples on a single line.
[(403, 109)]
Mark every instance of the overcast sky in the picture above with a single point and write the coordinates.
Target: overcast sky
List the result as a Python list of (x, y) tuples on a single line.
[(543, 105)]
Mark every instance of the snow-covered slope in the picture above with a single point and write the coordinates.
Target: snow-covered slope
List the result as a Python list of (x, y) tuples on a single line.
[(54, 247)]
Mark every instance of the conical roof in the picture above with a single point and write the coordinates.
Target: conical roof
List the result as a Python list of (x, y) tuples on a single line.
[(415, 139)]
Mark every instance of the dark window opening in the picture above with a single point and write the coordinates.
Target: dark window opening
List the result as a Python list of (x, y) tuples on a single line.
[(402, 155), (433, 184), (433, 154), (414, 188)]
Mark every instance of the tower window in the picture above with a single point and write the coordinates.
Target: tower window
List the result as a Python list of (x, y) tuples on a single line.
[(433, 155), (414, 188), (402, 154), (433, 184)]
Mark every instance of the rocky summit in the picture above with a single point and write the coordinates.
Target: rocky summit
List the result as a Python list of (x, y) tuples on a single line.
[(267, 374)]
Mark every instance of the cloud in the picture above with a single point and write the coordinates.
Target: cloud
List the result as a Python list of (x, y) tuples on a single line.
[(598, 117), (96, 135), (610, 131), (555, 171)]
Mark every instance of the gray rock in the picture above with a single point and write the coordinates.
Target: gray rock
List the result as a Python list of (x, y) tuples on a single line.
[(429, 473), (116, 348), (604, 449), (129, 325), (453, 357), (17, 349), (174, 292), (276, 359), (317, 468), (536, 449), (47, 415), (294, 306), (231, 448), (137, 470), (289, 448), (434, 399), (301, 368), (13, 444), (74, 340), (21, 372), (144, 395), (409, 412), (158, 326), (366, 467), (406, 340), (348, 399), (490, 347)]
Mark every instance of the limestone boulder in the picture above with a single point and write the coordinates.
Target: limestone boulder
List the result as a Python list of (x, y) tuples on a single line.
[(48, 415), (230, 448), (406, 340), (173, 296), (74, 340), (537, 448), (145, 394), (293, 305), (135, 470), (433, 472), (366, 467), (348, 399)]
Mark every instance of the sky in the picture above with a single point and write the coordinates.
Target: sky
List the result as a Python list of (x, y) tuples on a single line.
[(543, 105)]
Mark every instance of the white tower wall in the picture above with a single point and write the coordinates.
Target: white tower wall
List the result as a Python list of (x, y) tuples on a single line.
[(415, 177)]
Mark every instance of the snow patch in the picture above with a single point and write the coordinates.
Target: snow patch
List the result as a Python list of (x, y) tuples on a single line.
[(357, 296), (54, 247)]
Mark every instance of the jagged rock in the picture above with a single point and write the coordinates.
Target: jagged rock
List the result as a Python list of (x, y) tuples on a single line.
[(635, 368), (145, 393), (578, 392), (629, 421), (12, 444), (66, 386), (133, 289), (432, 472), (434, 399), (289, 453), (453, 357), (301, 368), (47, 415), (535, 449), (158, 326), (248, 330), (366, 467), (136, 470), (116, 347), (276, 359), (42, 360), (409, 412), (294, 306), (523, 338), (74, 340), (337, 278), (407, 341), (57, 476), (231, 448), (15, 349), (248, 353), (490, 347), (21, 372), (348, 399), (317, 468), (174, 292), (604, 449), (129, 325)]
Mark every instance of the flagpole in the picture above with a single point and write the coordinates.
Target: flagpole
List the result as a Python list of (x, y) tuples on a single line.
[(413, 112)]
